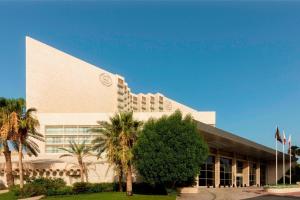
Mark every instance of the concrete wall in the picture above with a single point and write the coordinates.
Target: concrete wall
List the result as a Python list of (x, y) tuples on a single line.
[(59, 83), (271, 171)]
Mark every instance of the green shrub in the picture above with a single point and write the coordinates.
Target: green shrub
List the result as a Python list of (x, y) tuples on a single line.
[(49, 183), (42, 186), (66, 190), (31, 190), (107, 187), (15, 190), (81, 187)]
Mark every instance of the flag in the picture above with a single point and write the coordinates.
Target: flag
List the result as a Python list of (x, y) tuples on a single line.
[(290, 141), (284, 139), (277, 135)]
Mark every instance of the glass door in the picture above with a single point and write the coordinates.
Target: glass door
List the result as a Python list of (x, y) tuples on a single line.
[(239, 181)]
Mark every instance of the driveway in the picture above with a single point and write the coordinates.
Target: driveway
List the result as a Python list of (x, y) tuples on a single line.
[(235, 194)]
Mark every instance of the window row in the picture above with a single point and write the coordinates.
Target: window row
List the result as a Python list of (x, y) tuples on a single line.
[(68, 139), (68, 130)]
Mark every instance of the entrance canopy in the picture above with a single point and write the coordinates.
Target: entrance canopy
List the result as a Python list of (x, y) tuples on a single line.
[(224, 141)]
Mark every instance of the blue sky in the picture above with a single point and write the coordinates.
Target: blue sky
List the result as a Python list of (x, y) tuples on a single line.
[(240, 59)]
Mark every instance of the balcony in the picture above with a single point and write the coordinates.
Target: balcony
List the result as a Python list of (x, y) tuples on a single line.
[(120, 106), (120, 91), (120, 83), (120, 98)]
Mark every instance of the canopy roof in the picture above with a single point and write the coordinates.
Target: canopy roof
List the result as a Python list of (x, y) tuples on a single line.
[(227, 142)]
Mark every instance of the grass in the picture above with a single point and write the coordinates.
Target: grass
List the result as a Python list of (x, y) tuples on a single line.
[(8, 195), (97, 196)]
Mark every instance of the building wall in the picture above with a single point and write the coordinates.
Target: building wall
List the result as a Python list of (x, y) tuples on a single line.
[(271, 171), (59, 83)]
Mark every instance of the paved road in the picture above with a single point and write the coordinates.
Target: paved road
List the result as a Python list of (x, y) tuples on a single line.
[(233, 194)]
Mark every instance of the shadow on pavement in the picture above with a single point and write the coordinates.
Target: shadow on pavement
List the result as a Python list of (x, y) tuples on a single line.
[(273, 197)]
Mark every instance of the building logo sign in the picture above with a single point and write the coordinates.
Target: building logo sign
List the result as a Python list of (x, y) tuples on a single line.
[(105, 79)]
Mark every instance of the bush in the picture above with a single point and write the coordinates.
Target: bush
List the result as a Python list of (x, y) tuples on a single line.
[(81, 187), (42, 186), (15, 190), (31, 190), (66, 190), (170, 151), (49, 183), (107, 187)]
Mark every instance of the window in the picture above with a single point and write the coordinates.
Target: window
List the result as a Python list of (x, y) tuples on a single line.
[(252, 175), (263, 172), (53, 149), (64, 134), (239, 167), (207, 172), (54, 140), (70, 130), (225, 171), (54, 130)]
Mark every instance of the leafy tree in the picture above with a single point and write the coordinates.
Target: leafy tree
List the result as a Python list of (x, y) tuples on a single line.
[(170, 150), (79, 151)]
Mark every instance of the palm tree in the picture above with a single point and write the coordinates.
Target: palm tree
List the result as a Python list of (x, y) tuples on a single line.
[(8, 128), (27, 133), (108, 141), (80, 151), (125, 131), (295, 151)]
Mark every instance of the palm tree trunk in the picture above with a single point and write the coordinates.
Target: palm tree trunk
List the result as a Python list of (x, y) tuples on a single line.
[(129, 180), (8, 165), (81, 170), (21, 165), (86, 173), (120, 180)]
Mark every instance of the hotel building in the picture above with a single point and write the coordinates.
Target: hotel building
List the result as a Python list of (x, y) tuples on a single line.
[(72, 95)]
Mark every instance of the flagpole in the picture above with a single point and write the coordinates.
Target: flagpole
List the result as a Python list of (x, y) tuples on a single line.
[(290, 145), (283, 167), (283, 161), (276, 161)]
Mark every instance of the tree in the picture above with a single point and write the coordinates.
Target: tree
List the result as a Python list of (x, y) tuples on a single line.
[(170, 151), (118, 137), (79, 151), (27, 132), (295, 151), (128, 136), (8, 127), (108, 141)]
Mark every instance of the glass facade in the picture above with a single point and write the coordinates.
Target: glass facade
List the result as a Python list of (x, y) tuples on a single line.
[(252, 175), (263, 173), (225, 171), (60, 136), (207, 172), (239, 167)]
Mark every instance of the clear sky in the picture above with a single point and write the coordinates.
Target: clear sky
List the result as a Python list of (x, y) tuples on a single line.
[(240, 59)]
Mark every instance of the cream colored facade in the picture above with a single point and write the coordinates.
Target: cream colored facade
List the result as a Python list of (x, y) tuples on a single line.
[(72, 95)]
